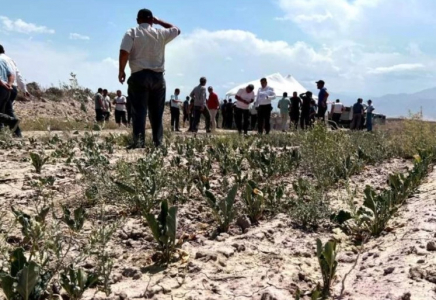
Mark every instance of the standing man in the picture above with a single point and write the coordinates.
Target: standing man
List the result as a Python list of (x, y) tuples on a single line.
[(213, 104), (175, 110), (107, 105), (7, 79), (322, 99), (19, 83), (120, 109), (357, 115), (224, 114), (295, 109), (229, 111), (337, 109), (99, 106), (305, 109), (200, 108), (144, 48), (186, 111), (244, 98), (284, 105), (369, 115), (263, 101)]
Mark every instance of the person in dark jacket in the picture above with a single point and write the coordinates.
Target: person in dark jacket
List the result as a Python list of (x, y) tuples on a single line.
[(306, 100)]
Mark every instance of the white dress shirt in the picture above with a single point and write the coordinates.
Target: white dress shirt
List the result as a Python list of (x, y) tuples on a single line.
[(246, 96), (265, 96), (19, 80), (146, 46)]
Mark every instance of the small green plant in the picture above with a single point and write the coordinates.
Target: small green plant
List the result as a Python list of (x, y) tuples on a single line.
[(254, 201), (76, 222), (164, 229), (76, 281), (223, 209), (309, 208), (327, 261), (38, 161)]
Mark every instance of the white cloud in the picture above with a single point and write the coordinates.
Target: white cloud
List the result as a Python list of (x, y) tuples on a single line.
[(396, 68), (77, 36), (22, 26)]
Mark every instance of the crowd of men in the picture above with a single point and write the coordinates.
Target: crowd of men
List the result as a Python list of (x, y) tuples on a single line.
[(103, 107)]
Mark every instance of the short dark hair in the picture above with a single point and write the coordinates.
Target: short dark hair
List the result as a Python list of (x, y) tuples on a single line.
[(100, 90), (187, 97), (2, 50), (263, 79), (145, 14), (177, 90), (203, 79), (105, 91), (337, 100), (285, 94)]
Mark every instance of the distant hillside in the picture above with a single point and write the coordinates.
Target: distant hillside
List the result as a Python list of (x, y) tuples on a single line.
[(399, 105)]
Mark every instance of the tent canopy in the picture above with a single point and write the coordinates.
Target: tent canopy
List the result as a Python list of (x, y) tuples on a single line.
[(279, 83)]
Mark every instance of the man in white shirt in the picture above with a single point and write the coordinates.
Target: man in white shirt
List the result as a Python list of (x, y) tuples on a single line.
[(7, 79), (175, 110), (19, 83), (120, 103), (264, 97), (337, 109), (107, 105), (144, 48), (244, 98)]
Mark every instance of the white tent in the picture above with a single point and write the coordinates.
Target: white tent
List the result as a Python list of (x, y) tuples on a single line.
[(279, 83)]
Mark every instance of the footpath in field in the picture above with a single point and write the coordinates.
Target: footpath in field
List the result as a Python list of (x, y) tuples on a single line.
[(402, 264)]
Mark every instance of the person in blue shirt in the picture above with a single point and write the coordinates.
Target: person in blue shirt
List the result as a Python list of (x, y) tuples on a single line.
[(322, 99), (7, 79), (369, 115)]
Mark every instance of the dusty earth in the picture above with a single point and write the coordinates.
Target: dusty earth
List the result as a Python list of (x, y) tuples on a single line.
[(268, 261)]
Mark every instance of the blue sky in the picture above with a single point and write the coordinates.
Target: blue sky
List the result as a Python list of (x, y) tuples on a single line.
[(360, 48)]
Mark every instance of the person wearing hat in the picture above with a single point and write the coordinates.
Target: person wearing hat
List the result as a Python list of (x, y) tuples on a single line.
[(144, 48), (200, 107), (213, 104), (322, 99), (244, 97), (264, 97)]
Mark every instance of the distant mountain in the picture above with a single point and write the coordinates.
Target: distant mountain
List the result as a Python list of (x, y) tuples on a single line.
[(400, 105)]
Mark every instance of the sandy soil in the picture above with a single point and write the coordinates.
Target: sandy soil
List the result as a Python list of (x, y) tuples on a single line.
[(266, 262)]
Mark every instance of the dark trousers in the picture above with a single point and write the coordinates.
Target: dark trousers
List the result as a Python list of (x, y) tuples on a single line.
[(356, 122), (99, 115), (175, 118), (229, 119), (253, 122), (129, 112), (295, 117), (305, 119), (336, 118), (107, 115), (147, 95), (120, 116), (9, 109), (264, 117), (321, 112), (191, 122), (224, 122), (4, 99), (242, 115), (185, 118), (197, 114)]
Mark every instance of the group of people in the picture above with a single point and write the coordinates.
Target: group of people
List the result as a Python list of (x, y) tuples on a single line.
[(11, 81), (103, 107), (143, 47)]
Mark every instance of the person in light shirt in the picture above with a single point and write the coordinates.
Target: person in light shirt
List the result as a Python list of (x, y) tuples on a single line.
[(107, 105), (263, 101), (244, 98), (144, 48), (337, 109), (200, 107), (7, 79), (175, 110), (120, 109), (19, 84)]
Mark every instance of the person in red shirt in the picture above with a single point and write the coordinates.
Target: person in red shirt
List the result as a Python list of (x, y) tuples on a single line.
[(213, 104)]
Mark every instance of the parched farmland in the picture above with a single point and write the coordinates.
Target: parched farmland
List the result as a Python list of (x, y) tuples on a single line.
[(303, 215)]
